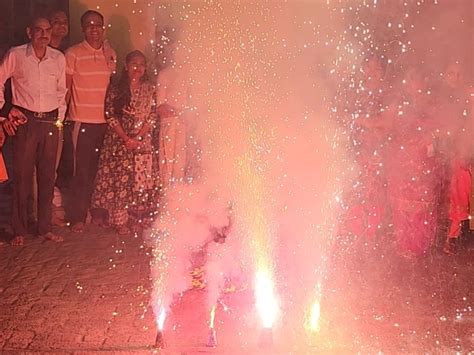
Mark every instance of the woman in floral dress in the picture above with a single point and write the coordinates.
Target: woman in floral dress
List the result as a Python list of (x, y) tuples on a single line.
[(127, 181)]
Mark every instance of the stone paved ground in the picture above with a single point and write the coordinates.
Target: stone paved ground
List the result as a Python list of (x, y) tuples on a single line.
[(91, 294), (87, 293)]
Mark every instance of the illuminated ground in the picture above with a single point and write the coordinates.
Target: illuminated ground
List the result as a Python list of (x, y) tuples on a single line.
[(91, 293)]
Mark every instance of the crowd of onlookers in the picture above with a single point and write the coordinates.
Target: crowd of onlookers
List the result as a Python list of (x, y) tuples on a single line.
[(86, 136), (108, 145), (411, 135)]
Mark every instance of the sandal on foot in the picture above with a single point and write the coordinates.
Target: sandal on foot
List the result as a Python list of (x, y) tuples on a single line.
[(78, 227), (18, 240), (52, 237)]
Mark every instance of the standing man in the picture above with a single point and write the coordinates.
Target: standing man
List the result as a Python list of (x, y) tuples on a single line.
[(60, 29), (39, 89), (88, 70)]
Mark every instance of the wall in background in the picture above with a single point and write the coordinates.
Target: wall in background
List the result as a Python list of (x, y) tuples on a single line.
[(129, 23)]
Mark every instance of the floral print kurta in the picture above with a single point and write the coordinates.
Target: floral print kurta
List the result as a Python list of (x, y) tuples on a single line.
[(127, 181)]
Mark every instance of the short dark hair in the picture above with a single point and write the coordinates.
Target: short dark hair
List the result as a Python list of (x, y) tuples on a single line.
[(91, 12), (35, 18), (53, 13)]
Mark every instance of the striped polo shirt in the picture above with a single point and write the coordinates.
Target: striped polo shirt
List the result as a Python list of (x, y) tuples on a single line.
[(90, 69)]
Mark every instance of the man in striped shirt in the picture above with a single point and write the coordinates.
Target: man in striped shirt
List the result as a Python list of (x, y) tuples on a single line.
[(89, 65)]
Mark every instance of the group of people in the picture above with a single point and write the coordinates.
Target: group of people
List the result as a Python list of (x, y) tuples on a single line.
[(78, 127), (116, 144), (411, 139)]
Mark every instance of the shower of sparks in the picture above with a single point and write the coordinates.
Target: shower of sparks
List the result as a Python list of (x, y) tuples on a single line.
[(315, 315), (161, 318), (249, 57), (212, 317), (266, 300)]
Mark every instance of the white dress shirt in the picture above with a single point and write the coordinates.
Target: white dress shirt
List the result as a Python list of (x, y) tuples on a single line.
[(37, 85)]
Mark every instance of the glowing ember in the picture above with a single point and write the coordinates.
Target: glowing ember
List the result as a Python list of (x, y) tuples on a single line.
[(267, 304), (212, 317), (161, 318), (314, 316)]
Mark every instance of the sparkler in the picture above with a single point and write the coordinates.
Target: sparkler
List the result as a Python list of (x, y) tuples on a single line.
[(212, 340), (159, 341), (315, 312), (267, 306), (314, 316)]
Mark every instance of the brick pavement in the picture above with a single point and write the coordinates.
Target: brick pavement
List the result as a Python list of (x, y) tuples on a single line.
[(88, 293), (91, 293)]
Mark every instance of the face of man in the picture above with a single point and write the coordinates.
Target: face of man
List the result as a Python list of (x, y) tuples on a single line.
[(39, 33), (59, 24), (93, 28)]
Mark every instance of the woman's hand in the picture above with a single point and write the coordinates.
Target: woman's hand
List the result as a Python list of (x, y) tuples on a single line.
[(131, 144)]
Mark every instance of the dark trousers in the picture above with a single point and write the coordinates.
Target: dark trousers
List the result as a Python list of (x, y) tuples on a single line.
[(34, 145), (87, 141), (65, 171)]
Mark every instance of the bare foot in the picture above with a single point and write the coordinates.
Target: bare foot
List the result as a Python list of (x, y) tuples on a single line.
[(18, 240), (52, 237), (78, 227)]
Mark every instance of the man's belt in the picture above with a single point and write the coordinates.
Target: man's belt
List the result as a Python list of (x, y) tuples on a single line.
[(51, 116)]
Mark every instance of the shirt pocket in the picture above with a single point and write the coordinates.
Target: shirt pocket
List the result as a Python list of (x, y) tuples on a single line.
[(49, 74)]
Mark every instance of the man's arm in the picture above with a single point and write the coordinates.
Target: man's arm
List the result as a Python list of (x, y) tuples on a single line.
[(15, 116), (70, 67), (7, 68), (62, 88)]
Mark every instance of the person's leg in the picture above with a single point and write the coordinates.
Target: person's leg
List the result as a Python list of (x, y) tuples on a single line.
[(165, 151), (78, 210), (58, 212), (33, 201), (97, 133), (87, 152), (24, 154), (119, 219), (46, 167), (65, 169)]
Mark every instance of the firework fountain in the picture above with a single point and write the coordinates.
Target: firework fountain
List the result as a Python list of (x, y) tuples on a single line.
[(265, 119)]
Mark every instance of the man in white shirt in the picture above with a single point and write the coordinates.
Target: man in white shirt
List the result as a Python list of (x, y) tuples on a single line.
[(38, 74)]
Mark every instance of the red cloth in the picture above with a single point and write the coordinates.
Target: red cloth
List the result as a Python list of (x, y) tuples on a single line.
[(3, 169), (459, 194)]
